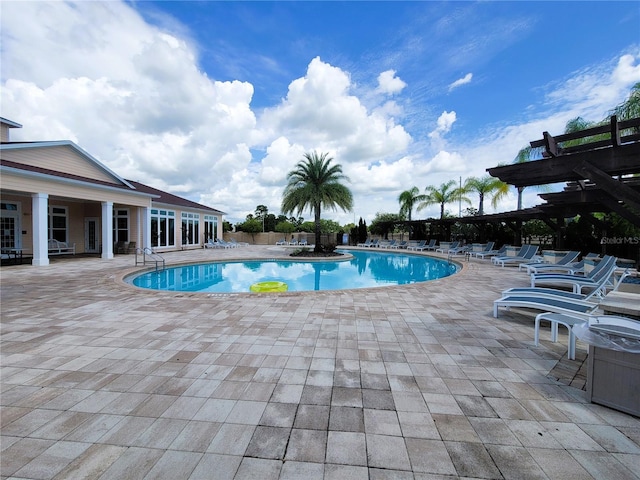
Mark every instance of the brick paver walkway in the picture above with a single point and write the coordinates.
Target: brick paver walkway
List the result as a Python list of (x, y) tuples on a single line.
[(104, 381)]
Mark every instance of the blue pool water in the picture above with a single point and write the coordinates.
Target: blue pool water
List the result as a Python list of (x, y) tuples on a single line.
[(364, 270)]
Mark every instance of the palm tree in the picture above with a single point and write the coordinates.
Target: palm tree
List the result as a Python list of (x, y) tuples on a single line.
[(485, 186), (630, 108), (446, 193), (315, 183), (408, 199)]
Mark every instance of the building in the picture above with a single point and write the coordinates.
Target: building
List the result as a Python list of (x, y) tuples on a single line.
[(55, 193)]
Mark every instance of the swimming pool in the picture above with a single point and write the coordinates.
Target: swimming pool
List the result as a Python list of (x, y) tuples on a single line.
[(362, 270)]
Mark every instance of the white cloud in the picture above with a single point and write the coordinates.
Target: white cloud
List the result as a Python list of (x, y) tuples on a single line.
[(443, 126), (389, 84), (320, 113), (461, 81), (133, 95)]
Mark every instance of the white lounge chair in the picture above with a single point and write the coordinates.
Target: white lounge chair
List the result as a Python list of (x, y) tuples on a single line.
[(547, 303), (281, 242), (366, 243), (567, 259), (487, 249), (453, 246), (556, 301), (432, 245), (421, 245), (222, 244), (492, 253), (596, 279), (572, 268), (459, 250), (236, 244), (529, 253)]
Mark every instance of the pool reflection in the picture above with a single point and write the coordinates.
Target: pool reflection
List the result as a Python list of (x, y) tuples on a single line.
[(364, 270)]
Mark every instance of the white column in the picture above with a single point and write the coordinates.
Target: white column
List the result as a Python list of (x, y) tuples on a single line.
[(146, 227), (107, 230), (40, 212)]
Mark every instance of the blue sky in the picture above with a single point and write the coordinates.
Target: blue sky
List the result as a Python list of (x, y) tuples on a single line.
[(217, 101)]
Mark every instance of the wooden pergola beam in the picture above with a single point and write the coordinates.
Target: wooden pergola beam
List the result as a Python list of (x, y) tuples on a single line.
[(615, 188), (622, 160)]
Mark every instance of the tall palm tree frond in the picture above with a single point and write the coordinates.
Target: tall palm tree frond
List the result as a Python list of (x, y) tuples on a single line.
[(446, 193), (486, 185), (408, 199), (316, 184)]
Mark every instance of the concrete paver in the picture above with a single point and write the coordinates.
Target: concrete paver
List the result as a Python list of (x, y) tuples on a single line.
[(102, 380)]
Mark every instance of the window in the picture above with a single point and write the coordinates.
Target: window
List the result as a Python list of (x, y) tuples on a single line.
[(163, 228), (210, 228), (190, 229), (10, 225), (120, 225), (58, 223)]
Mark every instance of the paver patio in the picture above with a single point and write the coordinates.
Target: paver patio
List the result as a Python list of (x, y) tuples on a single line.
[(104, 381)]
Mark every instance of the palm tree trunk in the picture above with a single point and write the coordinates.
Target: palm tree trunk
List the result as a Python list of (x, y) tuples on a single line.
[(318, 247), (481, 206)]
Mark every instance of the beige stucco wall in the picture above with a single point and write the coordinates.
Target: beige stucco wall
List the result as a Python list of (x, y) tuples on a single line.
[(63, 158)]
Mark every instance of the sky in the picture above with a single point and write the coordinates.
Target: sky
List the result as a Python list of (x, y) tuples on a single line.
[(218, 101)]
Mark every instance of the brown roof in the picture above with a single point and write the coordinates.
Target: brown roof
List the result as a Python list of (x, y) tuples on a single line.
[(171, 199), (162, 197)]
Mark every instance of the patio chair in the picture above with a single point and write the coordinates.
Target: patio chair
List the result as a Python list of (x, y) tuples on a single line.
[(491, 253), (432, 245), (487, 249), (282, 241), (421, 245), (366, 243), (572, 267), (567, 259), (211, 244), (402, 244), (529, 252), (453, 246), (548, 303), (596, 279), (236, 244), (221, 243), (523, 249), (391, 244), (303, 243), (459, 250), (552, 300)]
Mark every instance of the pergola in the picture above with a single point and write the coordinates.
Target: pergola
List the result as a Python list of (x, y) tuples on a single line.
[(600, 167), (599, 171)]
